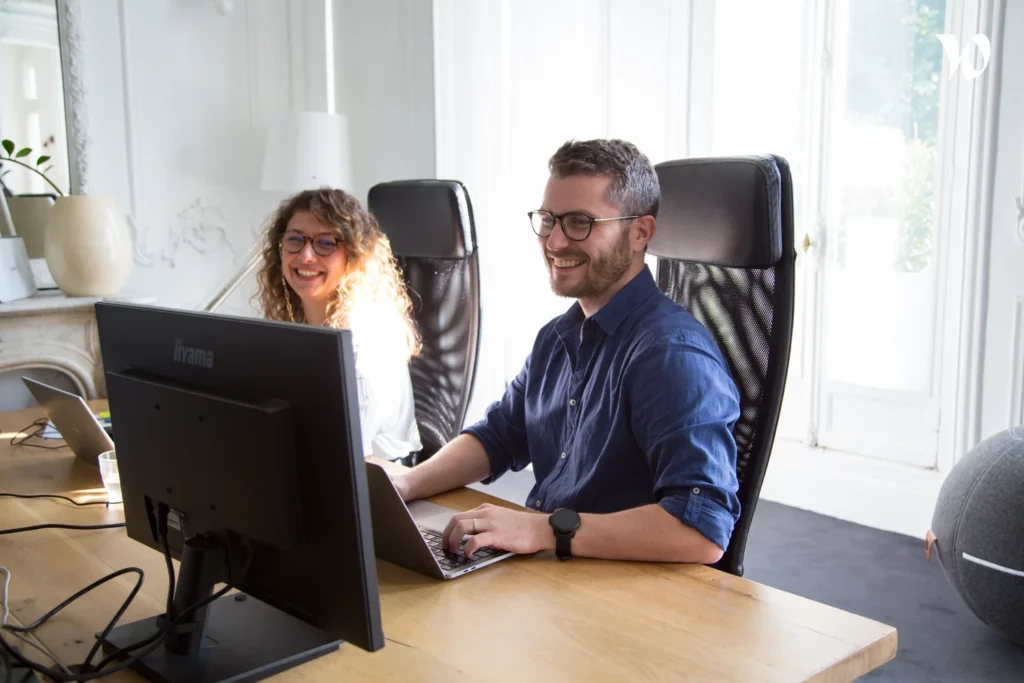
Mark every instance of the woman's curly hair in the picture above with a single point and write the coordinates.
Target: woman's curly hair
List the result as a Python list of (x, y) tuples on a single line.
[(372, 286)]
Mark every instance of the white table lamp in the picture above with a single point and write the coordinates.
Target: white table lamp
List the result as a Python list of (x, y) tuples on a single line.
[(307, 150)]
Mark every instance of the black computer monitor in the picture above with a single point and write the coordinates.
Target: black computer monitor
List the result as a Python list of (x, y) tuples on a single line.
[(238, 442)]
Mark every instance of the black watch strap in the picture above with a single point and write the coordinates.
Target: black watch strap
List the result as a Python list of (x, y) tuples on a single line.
[(564, 522), (563, 545)]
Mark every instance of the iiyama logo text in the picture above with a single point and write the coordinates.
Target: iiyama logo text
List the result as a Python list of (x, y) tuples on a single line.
[(190, 356)]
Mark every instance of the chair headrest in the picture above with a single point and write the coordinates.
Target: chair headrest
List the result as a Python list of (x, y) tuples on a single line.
[(723, 211), (425, 218)]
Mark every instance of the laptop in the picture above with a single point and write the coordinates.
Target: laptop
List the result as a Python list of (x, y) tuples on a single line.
[(76, 423), (410, 535)]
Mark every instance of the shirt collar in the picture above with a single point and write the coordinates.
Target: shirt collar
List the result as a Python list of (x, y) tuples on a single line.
[(625, 301), (613, 313)]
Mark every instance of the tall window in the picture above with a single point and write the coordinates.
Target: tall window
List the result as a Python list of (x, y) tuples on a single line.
[(32, 113), (880, 279), (849, 91)]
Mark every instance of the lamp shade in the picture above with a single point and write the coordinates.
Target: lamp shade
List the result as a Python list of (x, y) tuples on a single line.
[(307, 150)]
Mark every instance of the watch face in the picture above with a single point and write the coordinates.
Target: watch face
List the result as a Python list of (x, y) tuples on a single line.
[(565, 520)]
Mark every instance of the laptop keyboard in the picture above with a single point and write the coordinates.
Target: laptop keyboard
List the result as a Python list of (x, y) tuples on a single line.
[(450, 560)]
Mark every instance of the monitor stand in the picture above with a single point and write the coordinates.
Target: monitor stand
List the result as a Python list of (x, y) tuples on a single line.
[(235, 638)]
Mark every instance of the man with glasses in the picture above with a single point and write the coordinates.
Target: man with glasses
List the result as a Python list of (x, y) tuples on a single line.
[(625, 406)]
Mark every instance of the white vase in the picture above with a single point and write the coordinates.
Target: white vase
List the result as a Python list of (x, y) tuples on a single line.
[(88, 247)]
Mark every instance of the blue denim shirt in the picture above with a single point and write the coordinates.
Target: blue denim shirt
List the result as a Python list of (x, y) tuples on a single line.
[(630, 407)]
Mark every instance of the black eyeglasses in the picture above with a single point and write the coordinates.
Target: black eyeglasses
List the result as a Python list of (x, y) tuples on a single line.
[(324, 244), (575, 226)]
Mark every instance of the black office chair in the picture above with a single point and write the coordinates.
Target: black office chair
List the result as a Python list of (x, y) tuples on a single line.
[(430, 226), (725, 252)]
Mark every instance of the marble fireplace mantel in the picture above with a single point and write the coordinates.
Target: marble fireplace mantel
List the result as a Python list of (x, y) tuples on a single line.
[(57, 332)]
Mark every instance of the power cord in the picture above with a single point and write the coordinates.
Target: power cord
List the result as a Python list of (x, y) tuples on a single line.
[(40, 427), (77, 527), (164, 514), (65, 674), (166, 626), (7, 588), (30, 496), (6, 615)]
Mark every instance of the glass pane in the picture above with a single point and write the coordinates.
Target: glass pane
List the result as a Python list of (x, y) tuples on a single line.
[(761, 106), (760, 102), (880, 279)]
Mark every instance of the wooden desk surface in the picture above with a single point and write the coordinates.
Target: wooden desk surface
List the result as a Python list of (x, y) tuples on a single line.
[(527, 618)]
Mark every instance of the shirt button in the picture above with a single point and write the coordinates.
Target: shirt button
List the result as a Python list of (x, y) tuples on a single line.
[(563, 456), (536, 504), (696, 490), (572, 401)]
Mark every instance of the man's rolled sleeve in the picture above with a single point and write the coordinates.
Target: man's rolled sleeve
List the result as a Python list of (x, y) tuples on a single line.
[(502, 431), (699, 511), (684, 406)]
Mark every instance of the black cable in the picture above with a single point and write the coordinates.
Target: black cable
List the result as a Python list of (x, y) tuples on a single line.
[(40, 427), (95, 584), (229, 585), (165, 511), (112, 623), (170, 571), (153, 642), (53, 495), (162, 633), (56, 610), (79, 527), (60, 677), (166, 632)]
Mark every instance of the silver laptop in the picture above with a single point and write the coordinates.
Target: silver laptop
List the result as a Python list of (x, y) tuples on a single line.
[(76, 423), (410, 535)]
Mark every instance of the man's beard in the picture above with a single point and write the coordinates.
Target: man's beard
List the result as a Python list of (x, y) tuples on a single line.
[(602, 272)]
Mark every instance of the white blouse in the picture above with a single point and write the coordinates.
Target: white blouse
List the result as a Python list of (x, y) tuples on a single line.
[(387, 413)]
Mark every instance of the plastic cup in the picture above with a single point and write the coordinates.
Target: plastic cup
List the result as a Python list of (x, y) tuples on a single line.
[(111, 477)]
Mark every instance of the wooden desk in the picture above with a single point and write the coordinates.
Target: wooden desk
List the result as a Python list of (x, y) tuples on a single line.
[(524, 619)]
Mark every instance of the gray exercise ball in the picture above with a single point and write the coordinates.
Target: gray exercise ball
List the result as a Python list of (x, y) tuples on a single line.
[(979, 529)]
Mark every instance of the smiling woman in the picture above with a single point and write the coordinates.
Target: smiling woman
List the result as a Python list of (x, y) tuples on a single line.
[(326, 262)]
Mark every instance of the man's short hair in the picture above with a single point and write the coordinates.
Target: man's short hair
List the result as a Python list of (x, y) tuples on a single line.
[(634, 189)]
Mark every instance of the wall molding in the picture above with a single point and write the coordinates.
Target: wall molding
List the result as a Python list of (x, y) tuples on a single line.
[(1017, 366), (1020, 217), (201, 226), (1019, 203), (75, 112), (982, 108)]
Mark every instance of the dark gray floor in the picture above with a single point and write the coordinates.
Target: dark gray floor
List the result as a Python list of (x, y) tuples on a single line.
[(885, 577), (878, 575)]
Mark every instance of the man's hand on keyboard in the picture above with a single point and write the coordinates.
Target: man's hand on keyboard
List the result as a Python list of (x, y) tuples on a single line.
[(498, 527)]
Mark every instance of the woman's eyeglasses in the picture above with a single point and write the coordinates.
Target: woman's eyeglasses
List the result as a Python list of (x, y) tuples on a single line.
[(323, 244)]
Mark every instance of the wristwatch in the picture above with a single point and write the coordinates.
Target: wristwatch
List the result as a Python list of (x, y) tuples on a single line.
[(565, 522)]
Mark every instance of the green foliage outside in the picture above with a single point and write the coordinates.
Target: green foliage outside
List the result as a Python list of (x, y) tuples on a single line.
[(894, 80)]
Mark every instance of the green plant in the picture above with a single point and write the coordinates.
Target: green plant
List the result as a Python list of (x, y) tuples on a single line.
[(13, 157), (917, 207)]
